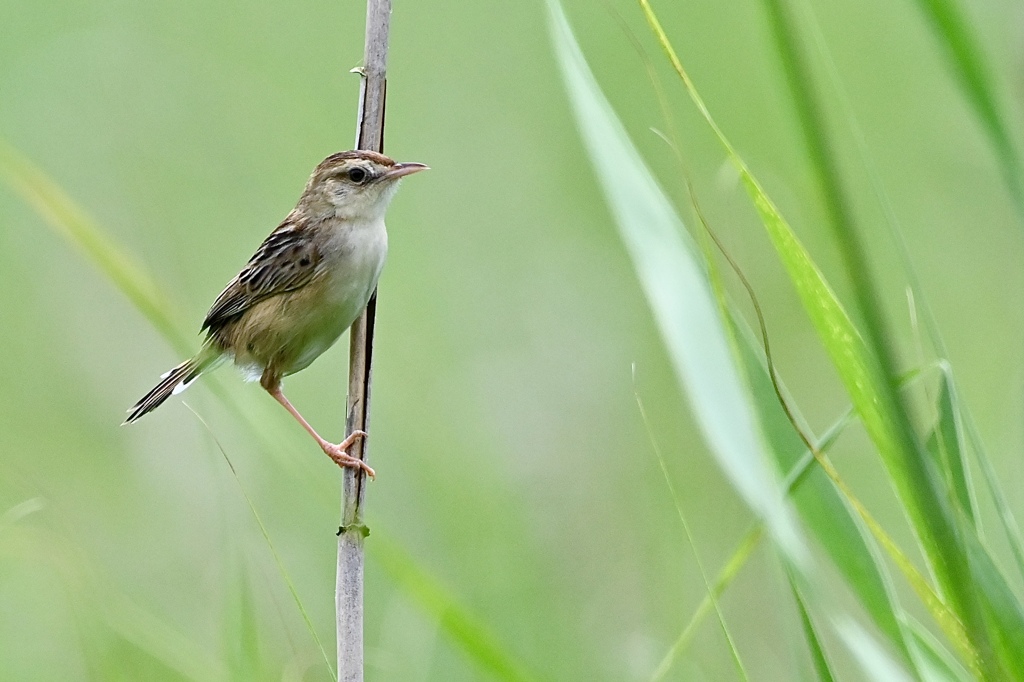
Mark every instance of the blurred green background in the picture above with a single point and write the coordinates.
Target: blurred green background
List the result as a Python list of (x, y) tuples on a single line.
[(514, 468)]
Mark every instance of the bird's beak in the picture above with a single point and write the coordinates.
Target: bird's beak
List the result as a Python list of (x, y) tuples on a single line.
[(400, 170)]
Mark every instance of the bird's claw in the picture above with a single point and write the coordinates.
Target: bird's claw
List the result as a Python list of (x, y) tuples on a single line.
[(339, 454)]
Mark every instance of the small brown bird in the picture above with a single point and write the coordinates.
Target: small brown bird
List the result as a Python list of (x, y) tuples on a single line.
[(306, 284)]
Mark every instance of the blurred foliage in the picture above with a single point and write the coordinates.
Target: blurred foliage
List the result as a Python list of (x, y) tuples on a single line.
[(517, 482)]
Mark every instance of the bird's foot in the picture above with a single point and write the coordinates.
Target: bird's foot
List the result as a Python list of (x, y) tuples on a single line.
[(339, 453)]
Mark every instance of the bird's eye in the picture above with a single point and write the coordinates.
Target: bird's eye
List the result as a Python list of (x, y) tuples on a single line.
[(357, 175)]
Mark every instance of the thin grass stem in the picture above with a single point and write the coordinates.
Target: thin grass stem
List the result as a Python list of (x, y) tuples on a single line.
[(711, 591), (270, 543)]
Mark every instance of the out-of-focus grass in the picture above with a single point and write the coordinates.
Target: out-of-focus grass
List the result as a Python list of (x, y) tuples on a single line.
[(693, 316), (976, 590), (981, 616), (514, 466), (822, 665), (966, 56), (71, 223)]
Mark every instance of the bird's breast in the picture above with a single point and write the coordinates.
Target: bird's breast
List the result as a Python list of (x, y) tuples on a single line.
[(289, 331), (353, 256)]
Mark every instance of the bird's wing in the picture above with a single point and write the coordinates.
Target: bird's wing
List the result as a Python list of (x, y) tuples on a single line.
[(285, 261)]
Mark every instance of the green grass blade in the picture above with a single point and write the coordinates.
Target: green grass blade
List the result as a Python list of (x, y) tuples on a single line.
[(1008, 521), (67, 219), (869, 379), (243, 644), (808, 109), (106, 616), (829, 511), (70, 221), (819, 660), (842, 524), (685, 309), (270, 545), (966, 57), (107, 655), (679, 294), (739, 557), (711, 592), (463, 629), (823, 510), (929, 657), (848, 532), (961, 414), (150, 634), (825, 167), (934, 660), (876, 665), (923, 310), (945, 443), (962, 421), (1002, 606), (813, 125), (744, 549)]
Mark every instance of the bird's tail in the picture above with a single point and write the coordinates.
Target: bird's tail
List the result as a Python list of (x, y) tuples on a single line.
[(171, 383)]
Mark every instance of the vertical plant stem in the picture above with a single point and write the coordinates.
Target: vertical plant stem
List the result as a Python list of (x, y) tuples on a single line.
[(349, 585)]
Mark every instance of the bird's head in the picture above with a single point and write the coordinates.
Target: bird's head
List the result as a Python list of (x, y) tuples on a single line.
[(355, 185)]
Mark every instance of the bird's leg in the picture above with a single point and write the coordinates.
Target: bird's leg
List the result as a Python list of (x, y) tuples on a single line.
[(339, 452)]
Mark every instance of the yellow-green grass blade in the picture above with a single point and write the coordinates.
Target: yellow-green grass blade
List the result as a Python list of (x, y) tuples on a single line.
[(744, 549), (920, 303), (962, 417), (1006, 517), (859, 523), (151, 634), (808, 109), (953, 416), (850, 552), (825, 170), (867, 379), (824, 511), (946, 448), (685, 309), (847, 531), (845, 539), (69, 220)]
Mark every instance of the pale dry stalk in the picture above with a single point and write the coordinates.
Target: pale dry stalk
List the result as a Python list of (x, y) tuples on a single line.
[(349, 586)]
